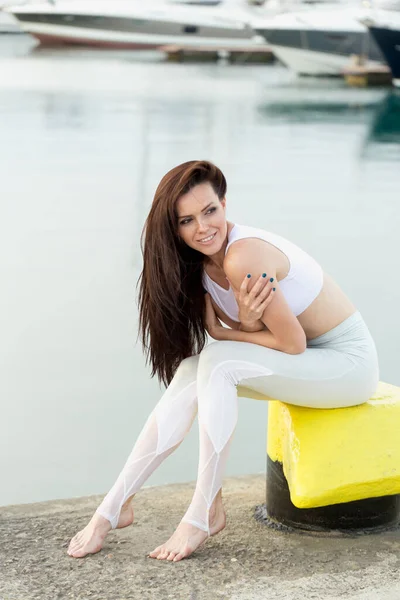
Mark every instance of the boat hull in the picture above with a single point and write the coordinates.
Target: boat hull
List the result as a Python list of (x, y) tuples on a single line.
[(389, 42), (308, 52), (8, 23), (127, 32)]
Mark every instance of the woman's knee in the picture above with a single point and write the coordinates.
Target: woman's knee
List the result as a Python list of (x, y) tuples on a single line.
[(182, 389), (212, 357), (222, 359), (187, 369)]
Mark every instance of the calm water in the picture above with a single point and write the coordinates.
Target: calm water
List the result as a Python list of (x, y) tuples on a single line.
[(85, 138)]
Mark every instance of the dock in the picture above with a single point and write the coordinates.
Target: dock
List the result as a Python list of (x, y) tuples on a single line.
[(360, 73), (250, 55), (248, 560)]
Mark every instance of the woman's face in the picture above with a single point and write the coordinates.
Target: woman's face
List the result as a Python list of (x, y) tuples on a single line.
[(201, 219)]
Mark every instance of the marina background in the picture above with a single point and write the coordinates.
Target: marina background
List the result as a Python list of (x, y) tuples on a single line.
[(85, 137)]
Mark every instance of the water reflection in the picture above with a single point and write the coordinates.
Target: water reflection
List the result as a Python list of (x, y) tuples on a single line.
[(386, 126), (319, 102), (382, 141), (64, 112), (318, 112), (59, 53)]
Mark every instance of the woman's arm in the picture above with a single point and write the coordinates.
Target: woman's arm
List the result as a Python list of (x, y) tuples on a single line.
[(257, 326), (284, 330), (262, 338)]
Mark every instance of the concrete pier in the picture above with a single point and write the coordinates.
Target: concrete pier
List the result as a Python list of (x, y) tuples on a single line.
[(246, 561)]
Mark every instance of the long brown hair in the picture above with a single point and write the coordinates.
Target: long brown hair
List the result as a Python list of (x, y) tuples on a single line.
[(171, 294)]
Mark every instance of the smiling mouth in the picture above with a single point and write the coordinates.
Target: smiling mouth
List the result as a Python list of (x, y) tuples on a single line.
[(208, 239)]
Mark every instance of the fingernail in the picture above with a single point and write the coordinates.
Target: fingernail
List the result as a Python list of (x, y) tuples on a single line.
[(273, 289), (264, 274), (271, 280), (248, 275)]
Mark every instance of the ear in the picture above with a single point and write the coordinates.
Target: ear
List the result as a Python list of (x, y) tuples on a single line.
[(223, 202)]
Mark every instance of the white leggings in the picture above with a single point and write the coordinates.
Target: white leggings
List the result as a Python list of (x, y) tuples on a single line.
[(337, 369)]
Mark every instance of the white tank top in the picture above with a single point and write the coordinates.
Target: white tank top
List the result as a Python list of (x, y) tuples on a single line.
[(300, 286)]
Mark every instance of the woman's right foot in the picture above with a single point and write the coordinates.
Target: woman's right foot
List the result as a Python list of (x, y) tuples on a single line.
[(90, 539)]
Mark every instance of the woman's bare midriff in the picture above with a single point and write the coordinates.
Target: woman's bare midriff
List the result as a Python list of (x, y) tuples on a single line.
[(330, 308)]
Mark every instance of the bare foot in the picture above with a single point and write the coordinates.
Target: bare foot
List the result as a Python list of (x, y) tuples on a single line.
[(90, 539), (187, 538)]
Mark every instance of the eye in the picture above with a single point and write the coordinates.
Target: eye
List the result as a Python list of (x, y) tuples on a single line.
[(210, 210)]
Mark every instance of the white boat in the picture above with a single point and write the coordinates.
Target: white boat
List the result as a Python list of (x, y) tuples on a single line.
[(319, 41), (135, 24)]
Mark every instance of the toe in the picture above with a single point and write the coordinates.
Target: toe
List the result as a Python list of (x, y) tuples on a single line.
[(155, 552), (163, 555), (178, 557), (171, 556), (74, 550), (75, 541)]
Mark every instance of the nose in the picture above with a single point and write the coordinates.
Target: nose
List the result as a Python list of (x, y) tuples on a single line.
[(202, 227)]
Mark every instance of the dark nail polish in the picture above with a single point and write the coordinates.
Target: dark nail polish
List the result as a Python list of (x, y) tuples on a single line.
[(248, 275), (273, 289), (264, 274), (271, 280)]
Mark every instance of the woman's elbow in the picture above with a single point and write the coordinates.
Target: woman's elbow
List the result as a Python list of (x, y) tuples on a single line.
[(297, 350), (294, 342), (297, 347)]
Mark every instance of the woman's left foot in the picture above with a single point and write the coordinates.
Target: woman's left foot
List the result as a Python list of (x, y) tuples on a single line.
[(187, 538)]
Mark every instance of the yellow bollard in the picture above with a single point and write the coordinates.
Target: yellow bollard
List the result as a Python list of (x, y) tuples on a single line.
[(334, 468)]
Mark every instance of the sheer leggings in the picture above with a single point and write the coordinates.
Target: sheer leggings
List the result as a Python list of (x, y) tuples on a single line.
[(334, 371)]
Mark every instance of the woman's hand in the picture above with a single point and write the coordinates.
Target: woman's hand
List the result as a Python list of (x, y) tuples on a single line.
[(253, 304), (212, 323)]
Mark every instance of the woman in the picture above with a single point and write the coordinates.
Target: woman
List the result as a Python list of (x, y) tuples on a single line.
[(292, 335)]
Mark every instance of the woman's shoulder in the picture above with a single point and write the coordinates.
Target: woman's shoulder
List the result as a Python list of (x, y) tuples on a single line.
[(248, 232), (258, 250), (254, 252), (253, 240)]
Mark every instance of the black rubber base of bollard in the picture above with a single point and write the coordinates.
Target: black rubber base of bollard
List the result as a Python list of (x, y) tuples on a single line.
[(360, 514)]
